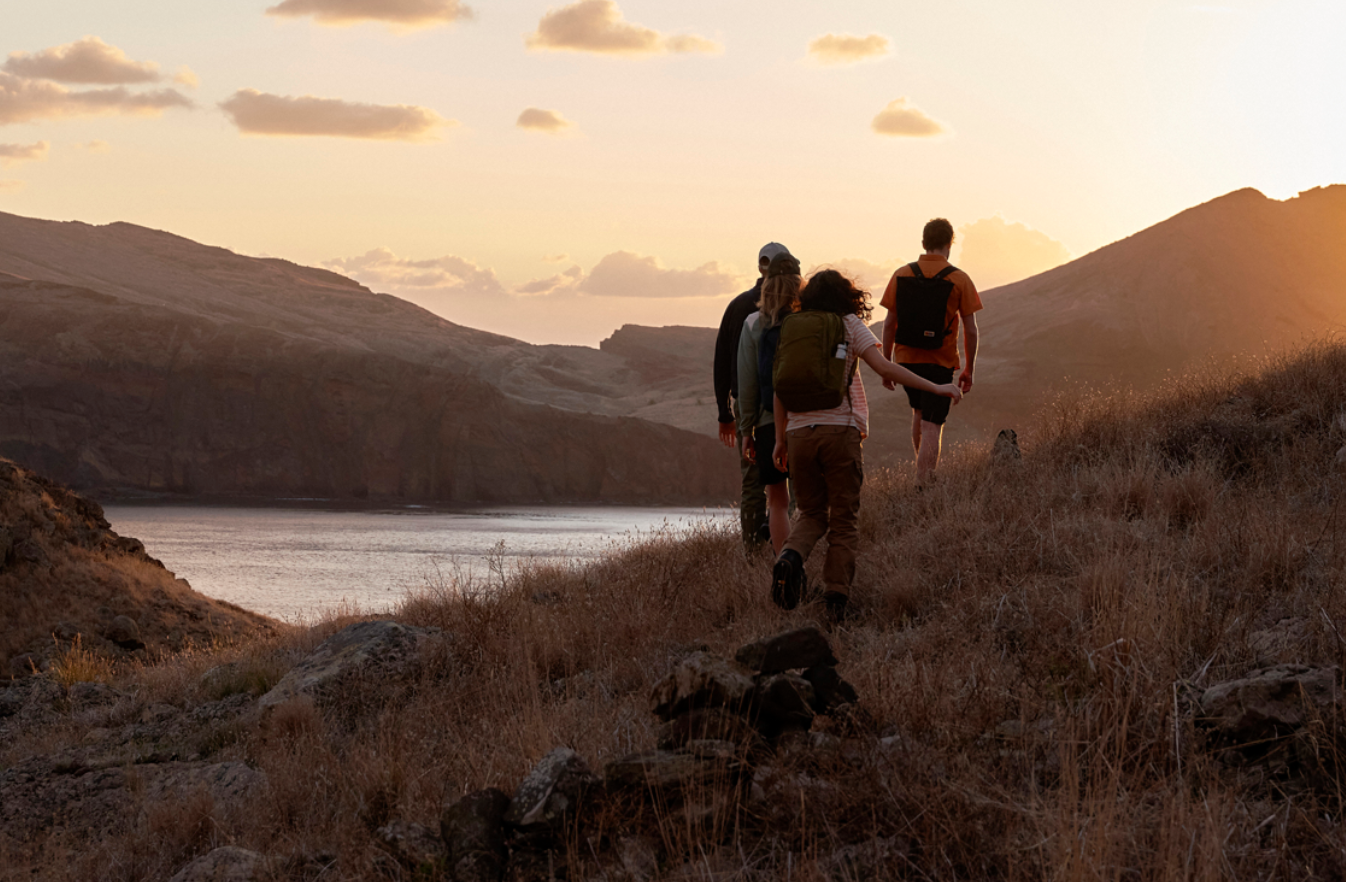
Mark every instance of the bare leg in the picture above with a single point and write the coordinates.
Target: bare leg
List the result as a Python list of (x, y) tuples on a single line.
[(778, 513), (916, 432), (927, 450)]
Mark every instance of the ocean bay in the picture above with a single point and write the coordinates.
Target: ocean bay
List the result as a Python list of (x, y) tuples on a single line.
[(298, 563)]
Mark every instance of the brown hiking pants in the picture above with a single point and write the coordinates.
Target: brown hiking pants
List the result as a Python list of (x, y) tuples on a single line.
[(826, 471)]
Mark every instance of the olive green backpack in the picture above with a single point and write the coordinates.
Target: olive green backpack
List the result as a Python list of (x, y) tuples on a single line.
[(810, 367)]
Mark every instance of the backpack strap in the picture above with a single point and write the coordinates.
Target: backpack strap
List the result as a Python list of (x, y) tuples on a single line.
[(946, 272), (916, 270)]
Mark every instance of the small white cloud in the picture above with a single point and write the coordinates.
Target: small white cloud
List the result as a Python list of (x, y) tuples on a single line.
[(187, 77), (381, 268), (258, 113), (12, 154), (402, 13), (597, 26), (87, 62), (624, 274), (548, 121), (903, 119), (95, 146), (832, 49), (561, 283), (23, 99)]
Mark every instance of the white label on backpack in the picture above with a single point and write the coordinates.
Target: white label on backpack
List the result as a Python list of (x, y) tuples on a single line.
[(841, 350), (930, 333)]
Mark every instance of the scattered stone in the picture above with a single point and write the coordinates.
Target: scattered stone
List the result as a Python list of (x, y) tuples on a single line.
[(829, 690), (708, 723), (1270, 702), (473, 830), (702, 680), (414, 845), (224, 864), (366, 649), (551, 791), (784, 704), (124, 632), (792, 650), (1283, 638)]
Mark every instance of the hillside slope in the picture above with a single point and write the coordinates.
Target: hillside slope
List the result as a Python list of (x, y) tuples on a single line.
[(145, 361)]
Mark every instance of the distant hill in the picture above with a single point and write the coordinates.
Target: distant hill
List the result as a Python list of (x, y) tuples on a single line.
[(140, 360)]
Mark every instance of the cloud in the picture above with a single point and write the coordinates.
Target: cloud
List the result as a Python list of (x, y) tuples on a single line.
[(382, 268), (23, 99), (405, 13), (844, 49), (95, 146), (597, 26), (905, 120), (548, 121), (997, 251), (87, 62), (186, 77), (258, 113), (11, 154), (873, 277), (624, 274), (567, 282)]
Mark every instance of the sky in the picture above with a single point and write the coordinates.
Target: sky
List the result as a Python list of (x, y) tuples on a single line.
[(552, 170)]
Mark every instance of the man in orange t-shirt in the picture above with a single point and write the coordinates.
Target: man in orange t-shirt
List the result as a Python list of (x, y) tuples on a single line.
[(933, 357)]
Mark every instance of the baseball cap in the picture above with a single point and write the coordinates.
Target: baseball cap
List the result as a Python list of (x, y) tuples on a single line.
[(770, 250), (783, 264)]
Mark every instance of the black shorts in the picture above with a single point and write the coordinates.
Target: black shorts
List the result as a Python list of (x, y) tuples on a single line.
[(765, 439), (934, 408)]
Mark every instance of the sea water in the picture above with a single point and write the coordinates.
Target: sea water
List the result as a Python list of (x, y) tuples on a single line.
[(296, 564)]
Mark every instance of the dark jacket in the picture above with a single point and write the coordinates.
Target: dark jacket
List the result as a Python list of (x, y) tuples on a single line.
[(726, 348)]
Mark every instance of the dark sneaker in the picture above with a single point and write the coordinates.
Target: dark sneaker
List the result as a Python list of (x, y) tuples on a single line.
[(787, 579), (838, 606)]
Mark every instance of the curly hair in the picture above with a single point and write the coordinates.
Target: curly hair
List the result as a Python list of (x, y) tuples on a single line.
[(780, 297), (830, 291)]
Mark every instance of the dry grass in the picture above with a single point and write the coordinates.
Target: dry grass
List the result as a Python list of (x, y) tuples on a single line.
[(1030, 638)]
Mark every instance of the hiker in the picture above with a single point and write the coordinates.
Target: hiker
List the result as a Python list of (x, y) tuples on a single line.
[(925, 301), (752, 499), (820, 424), (756, 352)]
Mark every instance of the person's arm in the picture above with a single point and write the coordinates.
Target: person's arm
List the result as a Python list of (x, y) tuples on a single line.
[(889, 302), (781, 417), (970, 337), (725, 342), (898, 374), (748, 393)]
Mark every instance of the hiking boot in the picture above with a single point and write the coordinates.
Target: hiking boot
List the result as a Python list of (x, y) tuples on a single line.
[(837, 606), (787, 579)]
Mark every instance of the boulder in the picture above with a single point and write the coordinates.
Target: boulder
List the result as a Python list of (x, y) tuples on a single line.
[(473, 830), (1270, 702), (829, 690), (551, 791), (224, 864), (66, 631), (379, 649), (1285, 638), (708, 723), (701, 680), (792, 650), (702, 763), (124, 632), (784, 703)]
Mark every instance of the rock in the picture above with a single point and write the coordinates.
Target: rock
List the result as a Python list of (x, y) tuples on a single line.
[(704, 763), (414, 845), (28, 551), (84, 696), (224, 864), (66, 631), (801, 648), (230, 784), (473, 830), (379, 649), (783, 704), (708, 723), (829, 690), (124, 632), (11, 702), (1283, 638), (551, 791), (701, 680), (1269, 702), (1006, 447), (21, 666)]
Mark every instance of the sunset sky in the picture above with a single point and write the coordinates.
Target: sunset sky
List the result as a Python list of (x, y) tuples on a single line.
[(553, 170)]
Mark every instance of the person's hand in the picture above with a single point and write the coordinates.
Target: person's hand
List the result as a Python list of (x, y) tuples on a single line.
[(780, 456), (889, 384), (949, 390), (750, 448), (728, 434), (965, 380)]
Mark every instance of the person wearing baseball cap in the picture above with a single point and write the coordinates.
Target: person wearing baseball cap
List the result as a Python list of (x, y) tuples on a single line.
[(752, 502)]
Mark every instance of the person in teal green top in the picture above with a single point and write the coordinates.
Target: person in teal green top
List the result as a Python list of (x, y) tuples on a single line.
[(780, 297)]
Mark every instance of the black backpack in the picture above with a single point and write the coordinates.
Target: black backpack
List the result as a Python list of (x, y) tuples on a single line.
[(922, 305), (766, 359)]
